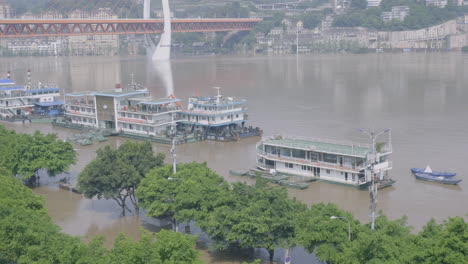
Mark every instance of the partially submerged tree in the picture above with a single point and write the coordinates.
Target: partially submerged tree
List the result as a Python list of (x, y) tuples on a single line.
[(116, 173), (24, 155), (187, 195)]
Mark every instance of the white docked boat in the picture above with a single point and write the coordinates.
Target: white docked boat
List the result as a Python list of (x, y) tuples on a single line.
[(217, 118), (127, 110), (23, 101), (333, 161)]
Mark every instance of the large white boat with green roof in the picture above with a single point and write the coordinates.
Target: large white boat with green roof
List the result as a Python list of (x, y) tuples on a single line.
[(217, 118), (334, 161)]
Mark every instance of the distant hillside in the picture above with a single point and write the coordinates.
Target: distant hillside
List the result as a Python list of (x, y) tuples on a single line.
[(421, 16)]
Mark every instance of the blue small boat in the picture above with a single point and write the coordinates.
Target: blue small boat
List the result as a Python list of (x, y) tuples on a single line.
[(438, 179), (429, 172)]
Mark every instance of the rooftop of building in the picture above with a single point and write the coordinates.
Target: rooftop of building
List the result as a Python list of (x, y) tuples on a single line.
[(6, 82), (213, 101), (160, 101), (320, 145), (110, 93)]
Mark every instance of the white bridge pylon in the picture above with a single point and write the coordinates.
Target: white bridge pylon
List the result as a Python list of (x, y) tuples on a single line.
[(161, 51)]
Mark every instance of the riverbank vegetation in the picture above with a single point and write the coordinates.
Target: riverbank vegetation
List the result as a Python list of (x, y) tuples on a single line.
[(27, 235), (233, 215), (245, 216)]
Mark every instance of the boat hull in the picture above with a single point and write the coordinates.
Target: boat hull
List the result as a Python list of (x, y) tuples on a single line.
[(424, 177), (434, 173)]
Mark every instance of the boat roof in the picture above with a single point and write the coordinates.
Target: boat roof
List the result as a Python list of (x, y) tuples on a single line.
[(113, 93), (6, 82), (12, 88), (43, 90), (212, 101), (209, 113), (159, 101), (110, 93), (212, 125), (320, 145)]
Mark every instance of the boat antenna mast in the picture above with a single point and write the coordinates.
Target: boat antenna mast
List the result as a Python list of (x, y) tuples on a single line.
[(218, 96), (372, 159)]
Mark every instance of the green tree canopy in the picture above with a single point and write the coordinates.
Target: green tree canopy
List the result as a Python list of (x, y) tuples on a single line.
[(24, 154), (312, 19), (166, 247), (116, 173), (258, 216), (190, 194), (28, 236)]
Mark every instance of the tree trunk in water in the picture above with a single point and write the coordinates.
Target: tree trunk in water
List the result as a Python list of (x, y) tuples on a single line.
[(272, 254)]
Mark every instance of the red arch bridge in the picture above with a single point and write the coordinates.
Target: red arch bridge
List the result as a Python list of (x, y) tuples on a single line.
[(14, 28)]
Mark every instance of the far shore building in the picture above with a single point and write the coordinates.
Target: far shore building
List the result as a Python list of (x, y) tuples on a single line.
[(398, 13), (437, 3), (96, 44), (373, 3), (5, 10)]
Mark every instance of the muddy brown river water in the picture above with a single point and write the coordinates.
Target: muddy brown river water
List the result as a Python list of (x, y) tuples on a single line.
[(421, 97)]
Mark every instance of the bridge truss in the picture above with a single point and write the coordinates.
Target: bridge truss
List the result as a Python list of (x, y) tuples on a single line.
[(72, 27)]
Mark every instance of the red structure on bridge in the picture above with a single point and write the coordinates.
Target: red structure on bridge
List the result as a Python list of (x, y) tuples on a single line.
[(13, 28)]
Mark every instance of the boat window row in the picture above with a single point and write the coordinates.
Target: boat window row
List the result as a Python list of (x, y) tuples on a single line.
[(346, 161), (138, 127), (220, 108), (45, 92), (81, 102), (81, 109), (191, 117), (83, 120)]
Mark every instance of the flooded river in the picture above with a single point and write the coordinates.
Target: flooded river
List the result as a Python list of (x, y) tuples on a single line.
[(421, 97)]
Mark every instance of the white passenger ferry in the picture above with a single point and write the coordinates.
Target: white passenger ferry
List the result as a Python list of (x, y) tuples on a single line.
[(129, 111), (217, 118), (334, 161), (22, 101)]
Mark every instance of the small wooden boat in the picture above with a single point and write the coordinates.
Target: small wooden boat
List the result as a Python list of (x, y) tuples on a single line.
[(439, 179), (429, 172)]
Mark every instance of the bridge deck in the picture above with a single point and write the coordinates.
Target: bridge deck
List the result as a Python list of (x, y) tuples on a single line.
[(10, 28)]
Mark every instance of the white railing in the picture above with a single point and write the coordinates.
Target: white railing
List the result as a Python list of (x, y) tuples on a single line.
[(80, 113), (209, 112), (130, 110)]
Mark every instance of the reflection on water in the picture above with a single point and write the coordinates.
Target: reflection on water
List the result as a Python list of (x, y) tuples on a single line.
[(422, 97), (164, 72)]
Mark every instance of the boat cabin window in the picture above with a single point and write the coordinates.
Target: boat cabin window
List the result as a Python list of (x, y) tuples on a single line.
[(313, 156), (289, 165), (298, 153), (285, 152), (330, 158)]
